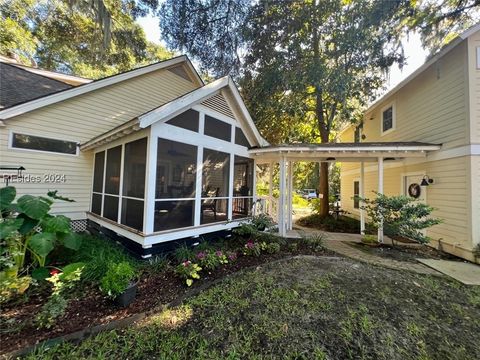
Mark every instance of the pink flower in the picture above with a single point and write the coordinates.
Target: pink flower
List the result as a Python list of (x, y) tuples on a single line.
[(201, 255), (54, 272), (232, 256), (219, 253), (186, 263), (249, 245)]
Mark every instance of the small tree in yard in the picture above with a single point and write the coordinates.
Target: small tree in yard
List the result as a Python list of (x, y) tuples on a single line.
[(402, 216)]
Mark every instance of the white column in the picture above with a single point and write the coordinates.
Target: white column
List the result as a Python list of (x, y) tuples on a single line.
[(290, 196), (254, 186), (270, 189), (281, 199), (380, 191), (198, 187), (362, 195), (150, 182)]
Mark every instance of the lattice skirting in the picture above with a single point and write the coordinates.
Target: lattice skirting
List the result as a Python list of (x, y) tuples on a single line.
[(79, 225)]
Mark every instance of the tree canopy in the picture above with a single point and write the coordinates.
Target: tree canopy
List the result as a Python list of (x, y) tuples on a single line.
[(67, 36)]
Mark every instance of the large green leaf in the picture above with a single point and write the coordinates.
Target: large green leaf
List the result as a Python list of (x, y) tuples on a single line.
[(34, 206), (7, 195), (59, 223), (28, 224), (9, 226), (72, 241), (40, 273), (42, 243)]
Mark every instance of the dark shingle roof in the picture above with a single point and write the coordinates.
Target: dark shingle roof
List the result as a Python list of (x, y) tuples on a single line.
[(18, 85)]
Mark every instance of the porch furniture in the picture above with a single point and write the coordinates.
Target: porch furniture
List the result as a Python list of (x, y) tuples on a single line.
[(211, 202)]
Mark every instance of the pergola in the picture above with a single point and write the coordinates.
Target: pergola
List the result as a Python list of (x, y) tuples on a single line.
[(286, 155)]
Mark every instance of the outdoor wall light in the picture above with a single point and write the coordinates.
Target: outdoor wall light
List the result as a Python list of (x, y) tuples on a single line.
[(426, 181), (330, 159)]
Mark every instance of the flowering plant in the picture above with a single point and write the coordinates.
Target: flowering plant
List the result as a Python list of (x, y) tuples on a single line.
[(189, 271), (252, 248)]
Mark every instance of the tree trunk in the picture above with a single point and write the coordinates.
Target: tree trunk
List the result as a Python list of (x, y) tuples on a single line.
[(324, 189)]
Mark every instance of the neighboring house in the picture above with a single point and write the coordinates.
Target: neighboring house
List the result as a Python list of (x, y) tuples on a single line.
[(440, 104), (149, 156)]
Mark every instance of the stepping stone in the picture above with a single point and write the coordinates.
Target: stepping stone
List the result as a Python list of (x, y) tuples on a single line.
[(466, 273)]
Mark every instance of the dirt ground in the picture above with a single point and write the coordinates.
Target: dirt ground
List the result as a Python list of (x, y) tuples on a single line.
[(307, 307)]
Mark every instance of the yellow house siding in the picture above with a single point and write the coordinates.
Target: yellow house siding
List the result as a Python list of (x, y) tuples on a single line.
[(475, 198), (80, 119), (430, 108), (474, 88), (449, 194)]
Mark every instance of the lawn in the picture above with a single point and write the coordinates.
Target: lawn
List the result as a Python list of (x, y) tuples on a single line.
[(303, 307)]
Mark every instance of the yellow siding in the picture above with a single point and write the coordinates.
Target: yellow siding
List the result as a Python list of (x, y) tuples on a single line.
[(80, 119), (474, 76), (449, 195), (430, 108), (475, 199)]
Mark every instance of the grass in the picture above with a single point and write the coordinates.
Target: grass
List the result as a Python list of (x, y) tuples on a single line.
[(303, 308)]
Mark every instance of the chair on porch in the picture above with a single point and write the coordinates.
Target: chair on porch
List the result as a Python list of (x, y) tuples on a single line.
[(211, 202)]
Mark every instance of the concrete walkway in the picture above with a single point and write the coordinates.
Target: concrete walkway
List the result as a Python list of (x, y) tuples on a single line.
[(336, 242)]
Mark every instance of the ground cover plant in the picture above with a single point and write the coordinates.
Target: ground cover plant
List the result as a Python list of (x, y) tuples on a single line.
[(162, 279), (304, 308)]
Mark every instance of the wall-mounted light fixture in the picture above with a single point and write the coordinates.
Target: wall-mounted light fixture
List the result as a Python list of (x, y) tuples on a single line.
[(426, 181), (330, 159)]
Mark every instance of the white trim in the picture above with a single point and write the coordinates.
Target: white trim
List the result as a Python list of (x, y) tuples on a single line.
[(348, 151), (95, 85), (230, 188), (11, 147), (197, 215), (190, 100), (219, 116), (359, 180), (150, 184), (394, 118), (131, 235)]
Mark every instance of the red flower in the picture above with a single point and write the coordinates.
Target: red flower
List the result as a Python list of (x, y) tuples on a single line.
[(54, 272)]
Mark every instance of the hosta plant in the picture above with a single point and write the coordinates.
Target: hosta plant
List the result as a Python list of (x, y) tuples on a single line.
[(188, 271)]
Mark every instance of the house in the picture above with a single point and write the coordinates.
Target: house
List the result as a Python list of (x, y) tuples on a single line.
[(149, 156), (439, 103), (153, 155)]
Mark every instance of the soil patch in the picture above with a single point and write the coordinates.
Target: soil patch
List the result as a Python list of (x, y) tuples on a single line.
[(90, 307), (403, 252)]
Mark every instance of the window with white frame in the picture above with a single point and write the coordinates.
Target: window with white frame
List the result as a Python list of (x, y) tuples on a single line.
[(38, 143), (175, 185), (356, 194), (388, 118), (122, 204)]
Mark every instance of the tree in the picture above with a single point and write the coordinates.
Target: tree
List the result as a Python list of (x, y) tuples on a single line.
[(61, 37), (439, 22), (304, 63)]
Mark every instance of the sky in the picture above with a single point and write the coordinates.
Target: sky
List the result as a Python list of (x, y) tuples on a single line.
[(414, 52)]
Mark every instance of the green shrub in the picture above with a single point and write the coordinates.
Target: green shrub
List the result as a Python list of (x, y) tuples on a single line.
[(117, 279), (300, 201), (184, 253), (402, 216), (245, 230), (97, 253), (314, 241), (369, 239), (28, 236), (188, 271), (272, 248), (342, 224), (262, 221), (253, 248)]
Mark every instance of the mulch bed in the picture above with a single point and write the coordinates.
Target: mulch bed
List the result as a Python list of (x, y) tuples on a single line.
[(90, 308), (404, 253)]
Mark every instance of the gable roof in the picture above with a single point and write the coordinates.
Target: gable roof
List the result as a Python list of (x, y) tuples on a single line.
[(64, 78), (98, 84), (224, 85), (18, 85)]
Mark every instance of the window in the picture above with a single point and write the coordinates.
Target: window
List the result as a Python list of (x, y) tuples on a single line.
[(478, 57), (243, 173), (218, 129), (387, 119), (215, 186), (175, 185), (134, 168), (240, 138), (107, 197), (112, 173), (97, 190), (22, 141), (356, 194), (187, 120)]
